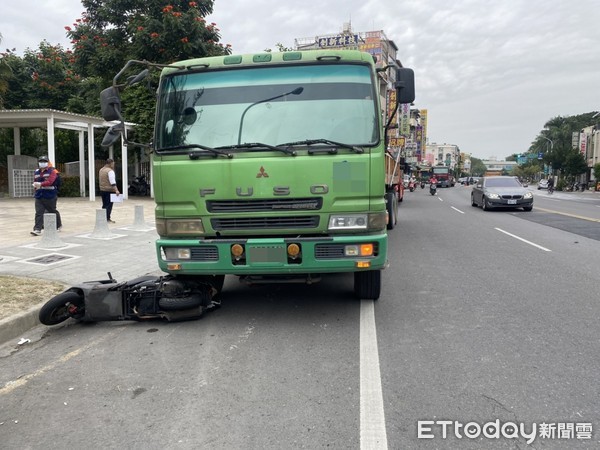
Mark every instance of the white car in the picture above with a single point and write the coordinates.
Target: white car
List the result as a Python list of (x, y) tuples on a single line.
[(543, 184)]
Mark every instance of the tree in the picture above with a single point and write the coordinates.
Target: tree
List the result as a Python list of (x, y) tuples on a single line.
[(555, 140), (574, 164), (112, 32), (478, 168), (5, 75)]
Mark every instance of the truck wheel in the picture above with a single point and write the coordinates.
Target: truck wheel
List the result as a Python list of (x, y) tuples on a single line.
[(367, 285), (215, 281), (391, 202)]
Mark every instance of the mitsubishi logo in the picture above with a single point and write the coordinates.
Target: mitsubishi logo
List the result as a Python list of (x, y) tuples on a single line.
[(261, 173)]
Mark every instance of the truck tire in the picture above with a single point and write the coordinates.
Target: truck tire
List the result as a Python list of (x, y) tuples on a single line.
[(215, 281), (391, 202), (367, 284)]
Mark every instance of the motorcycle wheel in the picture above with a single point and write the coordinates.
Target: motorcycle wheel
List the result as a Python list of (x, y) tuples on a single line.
[(176, 303), (56, 310)]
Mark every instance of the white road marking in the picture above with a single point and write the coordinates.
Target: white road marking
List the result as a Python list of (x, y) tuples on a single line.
[(24, 379), (523, 240), (372, 416), (458, 210), (440, 199)]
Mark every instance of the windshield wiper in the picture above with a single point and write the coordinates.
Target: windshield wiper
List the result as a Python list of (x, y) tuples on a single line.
[(325, 141), (249, 145), (197, 154)]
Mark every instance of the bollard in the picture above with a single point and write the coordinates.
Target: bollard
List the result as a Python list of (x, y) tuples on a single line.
[(50, 237), (101, 230), (139, 223)]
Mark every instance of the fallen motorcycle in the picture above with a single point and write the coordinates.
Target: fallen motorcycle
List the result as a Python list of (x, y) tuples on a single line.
[(144, 298)]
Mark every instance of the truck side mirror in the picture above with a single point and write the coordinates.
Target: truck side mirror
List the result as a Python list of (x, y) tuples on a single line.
[(112, 135), (405, 85), (110, 103)]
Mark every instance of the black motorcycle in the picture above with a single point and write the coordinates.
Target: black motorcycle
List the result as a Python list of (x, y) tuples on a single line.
[(144, 298), (139, 186)]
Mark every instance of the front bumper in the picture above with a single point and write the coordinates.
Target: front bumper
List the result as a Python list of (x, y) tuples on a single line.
[(509, 203), (262, 256)]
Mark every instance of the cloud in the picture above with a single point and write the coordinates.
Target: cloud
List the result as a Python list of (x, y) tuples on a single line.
[(489, 73)]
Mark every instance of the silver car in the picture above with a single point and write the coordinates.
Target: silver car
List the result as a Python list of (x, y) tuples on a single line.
[(501, 192)]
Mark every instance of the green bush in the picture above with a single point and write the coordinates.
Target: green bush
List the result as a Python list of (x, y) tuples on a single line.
[(69, 187)]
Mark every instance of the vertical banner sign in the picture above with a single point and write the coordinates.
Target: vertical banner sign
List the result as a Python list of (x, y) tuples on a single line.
[(575, 140), (392, 132), (423, 144), (418, 139), (391, 102), (405, 119), (582, 143)]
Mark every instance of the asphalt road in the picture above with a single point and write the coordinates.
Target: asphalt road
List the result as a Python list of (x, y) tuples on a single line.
[(484, 317)]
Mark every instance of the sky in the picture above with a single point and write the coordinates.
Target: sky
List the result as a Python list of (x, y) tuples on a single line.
[(490, 74)]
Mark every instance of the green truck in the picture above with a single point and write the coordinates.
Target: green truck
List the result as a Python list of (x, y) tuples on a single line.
[(270, 166)]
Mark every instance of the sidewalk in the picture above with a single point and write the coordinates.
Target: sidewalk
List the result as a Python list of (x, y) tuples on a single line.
[(127, 251)]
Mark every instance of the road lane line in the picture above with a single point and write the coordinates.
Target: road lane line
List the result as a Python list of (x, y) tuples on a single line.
[(575, 216), (23, 380), (523, 240), (458, 210), (372, 416)]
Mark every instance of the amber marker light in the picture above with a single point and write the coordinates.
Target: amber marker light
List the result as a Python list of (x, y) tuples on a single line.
[(363, 264), (366, 249), (174, 266), (237, 250), (293, 250)]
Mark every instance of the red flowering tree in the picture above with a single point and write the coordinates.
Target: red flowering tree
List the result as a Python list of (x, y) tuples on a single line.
[(111, 32)]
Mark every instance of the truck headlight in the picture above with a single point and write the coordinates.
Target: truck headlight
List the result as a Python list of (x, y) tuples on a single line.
[(179, 227), (172, 253), (374, 221)]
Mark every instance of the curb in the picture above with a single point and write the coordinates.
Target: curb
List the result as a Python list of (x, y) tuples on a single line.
[(12, 327)]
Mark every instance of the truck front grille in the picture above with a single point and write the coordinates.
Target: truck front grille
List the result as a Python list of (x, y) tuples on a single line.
[(261, 223), (264, 205), (205, 253)]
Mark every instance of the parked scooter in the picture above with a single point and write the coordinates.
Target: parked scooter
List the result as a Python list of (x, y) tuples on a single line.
[(433, 188), (144, 298), (139, 186)]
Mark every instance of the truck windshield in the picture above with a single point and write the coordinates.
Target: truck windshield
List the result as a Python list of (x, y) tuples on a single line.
[(270, 105)]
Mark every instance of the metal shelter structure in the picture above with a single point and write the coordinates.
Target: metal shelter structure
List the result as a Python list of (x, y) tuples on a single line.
[(52, 119)]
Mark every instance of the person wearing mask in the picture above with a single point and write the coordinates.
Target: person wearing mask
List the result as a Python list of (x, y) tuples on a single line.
[(45, 194), (108, 185)]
